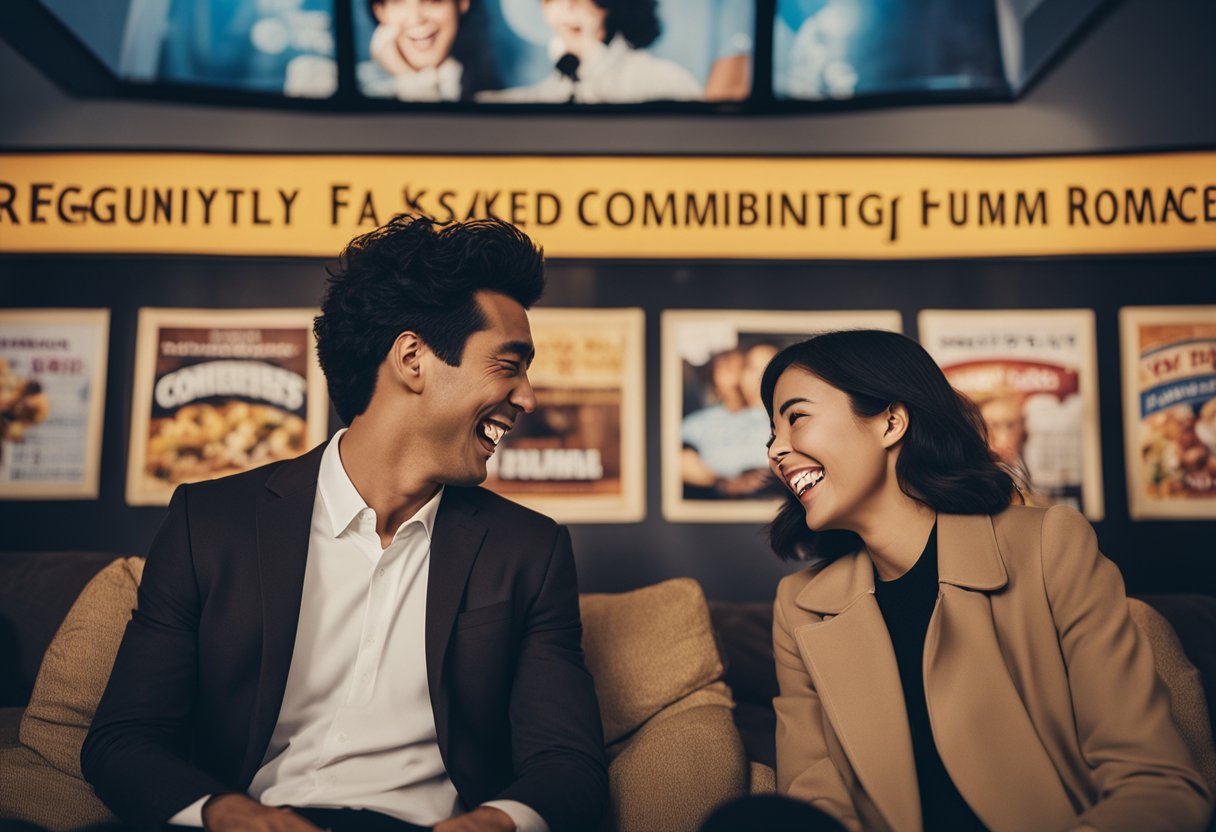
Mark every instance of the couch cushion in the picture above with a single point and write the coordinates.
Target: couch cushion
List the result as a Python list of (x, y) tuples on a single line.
[(77, 665), (647, 649)]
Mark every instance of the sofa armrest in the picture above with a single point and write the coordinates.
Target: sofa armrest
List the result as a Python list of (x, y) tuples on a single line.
[(764, 779), (677, 768)]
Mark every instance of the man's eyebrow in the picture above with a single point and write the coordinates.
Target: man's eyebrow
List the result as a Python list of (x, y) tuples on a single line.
[(523, 349), (790, 403)]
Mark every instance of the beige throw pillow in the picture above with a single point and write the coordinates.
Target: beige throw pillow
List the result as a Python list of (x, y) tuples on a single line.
[(647, 649)]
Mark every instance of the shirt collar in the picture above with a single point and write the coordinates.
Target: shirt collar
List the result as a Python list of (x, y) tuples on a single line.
[(342, 500)]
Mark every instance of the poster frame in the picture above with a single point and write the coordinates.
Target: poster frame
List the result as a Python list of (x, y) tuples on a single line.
[(676, 508), (88, 487), (151, 320), (630, 505), (1139, 505), (1084, 323)]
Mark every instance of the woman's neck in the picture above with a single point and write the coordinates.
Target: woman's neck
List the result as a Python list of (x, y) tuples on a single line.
[(896, 536)]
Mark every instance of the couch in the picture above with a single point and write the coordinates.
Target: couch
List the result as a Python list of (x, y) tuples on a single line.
[(685, 688), (674, 752)]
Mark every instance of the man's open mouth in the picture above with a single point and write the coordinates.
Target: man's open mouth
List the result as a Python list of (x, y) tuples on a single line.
[(491, 432)]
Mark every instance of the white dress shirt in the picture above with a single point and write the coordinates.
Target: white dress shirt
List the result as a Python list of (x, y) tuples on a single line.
[(356, 728)]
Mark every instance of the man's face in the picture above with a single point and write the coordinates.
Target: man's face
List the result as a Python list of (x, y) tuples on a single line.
[(471, 407), (426, 29), (577, 22)]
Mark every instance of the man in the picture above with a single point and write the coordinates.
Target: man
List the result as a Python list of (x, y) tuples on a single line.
[(361, 633)]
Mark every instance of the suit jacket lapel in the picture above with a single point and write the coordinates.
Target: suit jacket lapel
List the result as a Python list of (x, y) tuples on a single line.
[(284, 524), (985, 736), (852, 663), (455, 542)]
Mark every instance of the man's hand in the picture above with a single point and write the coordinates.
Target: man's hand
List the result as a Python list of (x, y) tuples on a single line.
[(239, 813), (481, 819)]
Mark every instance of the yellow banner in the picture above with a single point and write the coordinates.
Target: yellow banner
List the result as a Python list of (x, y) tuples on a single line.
[(616, 207)]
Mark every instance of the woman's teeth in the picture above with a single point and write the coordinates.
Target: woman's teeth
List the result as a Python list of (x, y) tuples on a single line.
[(806, 480)]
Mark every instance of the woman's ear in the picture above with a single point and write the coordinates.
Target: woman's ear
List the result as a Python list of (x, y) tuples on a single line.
[(462, 6), (378, 12), (405, 361), (895, 424)]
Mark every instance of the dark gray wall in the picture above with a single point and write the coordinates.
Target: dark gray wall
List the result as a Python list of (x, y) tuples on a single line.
[(1143, 77)]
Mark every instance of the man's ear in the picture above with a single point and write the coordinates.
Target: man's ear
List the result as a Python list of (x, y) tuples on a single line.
[(405, 361), (378, 12), (463, 7), (894, 424)]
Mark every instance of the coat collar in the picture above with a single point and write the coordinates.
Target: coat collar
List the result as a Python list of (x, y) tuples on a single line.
[(967, 557)]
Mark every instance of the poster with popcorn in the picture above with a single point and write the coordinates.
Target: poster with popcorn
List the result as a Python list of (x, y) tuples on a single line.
[(52, 398), (1033, 375), (715, 427), (218, 392), (1169, 410), (580, 456)]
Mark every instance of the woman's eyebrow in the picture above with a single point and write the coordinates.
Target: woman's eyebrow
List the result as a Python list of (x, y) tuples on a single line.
[(790, 403)]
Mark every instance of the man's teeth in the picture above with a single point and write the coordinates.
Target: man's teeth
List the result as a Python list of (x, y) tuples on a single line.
[(806, 480), (493, 432)]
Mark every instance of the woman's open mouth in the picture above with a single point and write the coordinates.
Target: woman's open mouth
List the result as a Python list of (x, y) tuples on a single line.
[(804, 479)]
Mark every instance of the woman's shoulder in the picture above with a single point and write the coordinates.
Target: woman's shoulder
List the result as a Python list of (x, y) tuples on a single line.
[(1039, 520)]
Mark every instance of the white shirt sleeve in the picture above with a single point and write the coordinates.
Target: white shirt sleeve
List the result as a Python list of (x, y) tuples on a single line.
[(525, 817), (192, 815)]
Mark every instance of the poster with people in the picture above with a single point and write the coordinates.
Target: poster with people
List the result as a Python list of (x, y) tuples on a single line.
[(715, 427), (555, 51), (52, 401), (842, 49), (1033, 375), (284, 47), (580, 456), (220, 391), (1169, 410)]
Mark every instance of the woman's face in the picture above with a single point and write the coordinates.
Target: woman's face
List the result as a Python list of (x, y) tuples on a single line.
[(833, 460), (577, 22), (426, 29)]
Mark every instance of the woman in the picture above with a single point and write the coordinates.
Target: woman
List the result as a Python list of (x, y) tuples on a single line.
[(427, 50), (597, 50), (949, 661)]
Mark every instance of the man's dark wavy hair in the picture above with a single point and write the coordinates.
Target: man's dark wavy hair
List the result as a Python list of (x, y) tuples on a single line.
[(636, 20), (416, 274), (944, 460)]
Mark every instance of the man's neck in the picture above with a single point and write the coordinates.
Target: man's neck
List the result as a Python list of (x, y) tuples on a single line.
[(378, 471)]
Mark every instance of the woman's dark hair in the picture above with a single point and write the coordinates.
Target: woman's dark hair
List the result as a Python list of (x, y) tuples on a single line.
[(944, 460), (636, 20), (416, 274)]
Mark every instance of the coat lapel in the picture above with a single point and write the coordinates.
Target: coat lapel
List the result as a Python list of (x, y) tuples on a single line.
[(456, 540), (985, 737), (284, 524), (852, 663)]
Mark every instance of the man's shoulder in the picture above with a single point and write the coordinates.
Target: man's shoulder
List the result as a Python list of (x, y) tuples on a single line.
[(494, 509), (242, 488)]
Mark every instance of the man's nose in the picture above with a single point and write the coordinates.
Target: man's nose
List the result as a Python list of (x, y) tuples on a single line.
[(523, 396)]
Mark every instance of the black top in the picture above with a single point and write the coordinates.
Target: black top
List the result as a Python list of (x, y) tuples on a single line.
[(907, 604)]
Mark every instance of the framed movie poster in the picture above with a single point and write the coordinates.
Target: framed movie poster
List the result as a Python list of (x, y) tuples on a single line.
[(1169, 410), (580, 456), (52, 398), (715, 466), (1033, 375), (218, 392)]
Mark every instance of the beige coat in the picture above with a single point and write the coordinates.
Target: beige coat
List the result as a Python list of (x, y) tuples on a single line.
[(1041, 691)]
